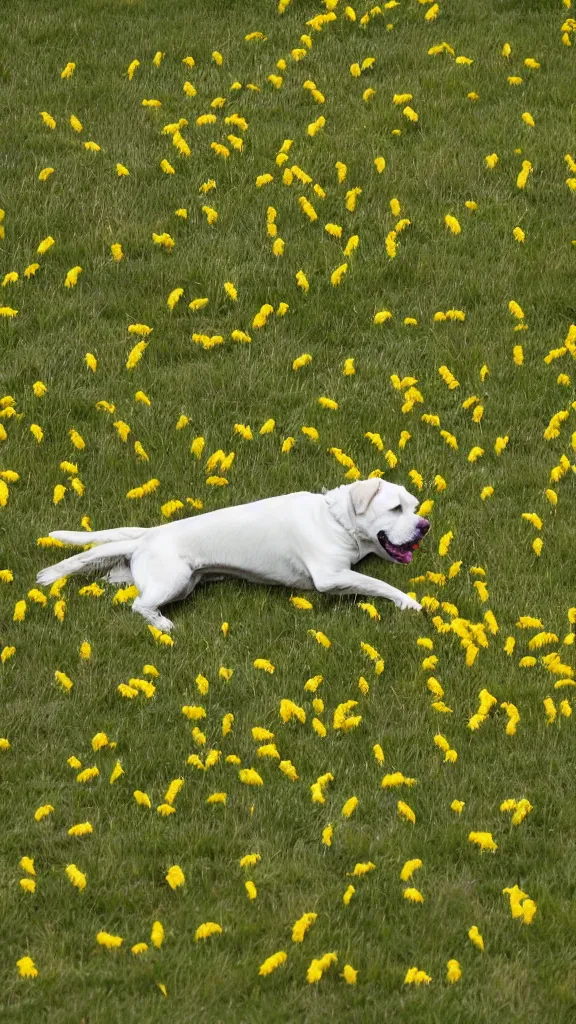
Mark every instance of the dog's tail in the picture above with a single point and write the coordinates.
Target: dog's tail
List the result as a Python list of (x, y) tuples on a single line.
[(82, 537), (99, 557)]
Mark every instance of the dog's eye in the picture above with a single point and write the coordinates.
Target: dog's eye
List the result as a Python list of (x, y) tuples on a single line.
[(397, 508)]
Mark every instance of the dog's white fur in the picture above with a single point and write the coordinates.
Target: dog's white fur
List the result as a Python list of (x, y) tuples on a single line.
[(302, 540)]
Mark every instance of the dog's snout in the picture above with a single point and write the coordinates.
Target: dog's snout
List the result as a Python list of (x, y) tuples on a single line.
[(423, 526)]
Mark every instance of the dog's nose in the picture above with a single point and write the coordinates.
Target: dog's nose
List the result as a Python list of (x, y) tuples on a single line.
[(423, 526)]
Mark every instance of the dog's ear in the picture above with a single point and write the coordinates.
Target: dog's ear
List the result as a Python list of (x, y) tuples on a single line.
[(362, 492)]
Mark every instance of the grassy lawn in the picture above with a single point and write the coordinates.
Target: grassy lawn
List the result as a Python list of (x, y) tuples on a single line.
[(482, 568)]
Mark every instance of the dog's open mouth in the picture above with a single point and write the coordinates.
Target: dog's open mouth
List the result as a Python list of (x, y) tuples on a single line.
[(398, 552)]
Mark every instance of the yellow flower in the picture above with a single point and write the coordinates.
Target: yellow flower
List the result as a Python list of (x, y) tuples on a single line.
[(327, 834), (337, 274), (301, 926), (288, 769), (19, 611), (475, 453), (484, 840), (396, 779), (351, 245), (244, 430), (27, 864), (409, 868), (251, 890), (272, 962), (167, 167), (476, 938), (45, 245), (349, 974), (390, 246), (406, 812), (117, 771), (319, 966), (346, 898), (302, 281), (268, 750), (173, 298), (26, 967), (157, 934), (72, 277), (453, 224), (40, 812), (250, 777), (142, 798), (264, 664), (550, 709), (76, 877), (454, 972), (524, 174), (216, 798), (351, 197), (108, 940), (350, 806), (204, 931), (363, 868), (175, 876), (319, 727), (534, 519), (414, 895), (83, 829)]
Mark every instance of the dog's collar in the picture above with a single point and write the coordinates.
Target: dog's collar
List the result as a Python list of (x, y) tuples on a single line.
[(342, 515)]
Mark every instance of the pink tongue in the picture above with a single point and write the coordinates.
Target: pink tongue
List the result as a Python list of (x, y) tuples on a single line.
[(400, 556), (404, 556)]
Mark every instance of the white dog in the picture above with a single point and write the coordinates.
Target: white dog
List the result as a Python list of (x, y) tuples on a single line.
[(302, 540)]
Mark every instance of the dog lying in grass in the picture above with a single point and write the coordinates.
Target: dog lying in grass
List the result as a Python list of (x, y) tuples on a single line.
[(302, 540)]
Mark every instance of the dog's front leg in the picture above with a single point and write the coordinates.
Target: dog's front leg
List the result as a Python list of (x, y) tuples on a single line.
[(346, 581)]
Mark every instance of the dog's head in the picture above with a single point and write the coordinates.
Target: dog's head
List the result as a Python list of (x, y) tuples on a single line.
[(386, 516)]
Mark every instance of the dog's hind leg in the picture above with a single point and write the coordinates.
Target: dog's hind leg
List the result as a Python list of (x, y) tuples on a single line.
[(161, 577)]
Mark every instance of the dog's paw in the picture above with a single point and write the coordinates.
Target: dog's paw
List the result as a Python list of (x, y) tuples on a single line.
[(166, 625), (404, 603)]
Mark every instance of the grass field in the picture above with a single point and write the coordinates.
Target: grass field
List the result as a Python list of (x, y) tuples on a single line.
[(498, 589)]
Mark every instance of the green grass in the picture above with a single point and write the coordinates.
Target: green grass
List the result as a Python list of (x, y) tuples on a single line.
[(527, 973)]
